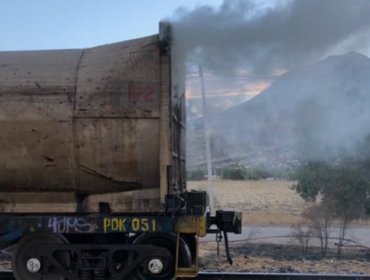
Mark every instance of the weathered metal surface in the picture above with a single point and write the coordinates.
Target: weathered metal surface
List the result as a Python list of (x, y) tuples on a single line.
[(84, 120), (37, 202), (127, 201)]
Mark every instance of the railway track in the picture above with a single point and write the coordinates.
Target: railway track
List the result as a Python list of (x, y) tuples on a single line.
[(256, 276), (278, 276), (6, 275)]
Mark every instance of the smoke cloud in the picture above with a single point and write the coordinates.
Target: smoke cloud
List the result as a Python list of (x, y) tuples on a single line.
[(242, 33), (319, 110)]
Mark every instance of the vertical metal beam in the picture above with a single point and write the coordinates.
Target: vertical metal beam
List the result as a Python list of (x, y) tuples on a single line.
[(165, 112), (208, 142)]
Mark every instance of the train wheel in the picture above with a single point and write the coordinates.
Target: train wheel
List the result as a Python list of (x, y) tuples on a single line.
[(26, 264), (158, 268)]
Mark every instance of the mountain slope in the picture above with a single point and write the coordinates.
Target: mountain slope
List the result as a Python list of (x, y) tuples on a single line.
[(311, 112)]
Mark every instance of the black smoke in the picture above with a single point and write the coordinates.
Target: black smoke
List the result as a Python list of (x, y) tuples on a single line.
[(242, 33)]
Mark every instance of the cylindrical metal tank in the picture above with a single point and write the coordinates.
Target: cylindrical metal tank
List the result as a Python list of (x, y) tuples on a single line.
[(86, 121)]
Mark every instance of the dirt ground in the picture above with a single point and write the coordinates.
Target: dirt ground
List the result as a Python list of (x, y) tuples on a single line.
[(268, 258), (273, 203)]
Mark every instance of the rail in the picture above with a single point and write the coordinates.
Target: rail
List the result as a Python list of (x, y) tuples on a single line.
[(256, 276), (278, 276), (6, 275)]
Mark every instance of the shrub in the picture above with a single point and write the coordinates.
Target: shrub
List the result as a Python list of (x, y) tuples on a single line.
[(234, 173), (343, 188), (195, 175), (239, 172)]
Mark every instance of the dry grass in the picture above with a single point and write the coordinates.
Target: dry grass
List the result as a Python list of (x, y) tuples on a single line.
[(262, 202)]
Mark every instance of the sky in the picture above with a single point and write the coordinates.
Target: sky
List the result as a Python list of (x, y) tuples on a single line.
[(65, 24), (45, 24)]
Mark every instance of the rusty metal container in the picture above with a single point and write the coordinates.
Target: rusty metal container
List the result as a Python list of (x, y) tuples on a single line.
[(96, 120)]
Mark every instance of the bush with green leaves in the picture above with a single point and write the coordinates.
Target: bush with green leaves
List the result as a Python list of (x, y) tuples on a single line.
[(234, 173), (240, 172), (195, 175), (346, 187), (342, 187)]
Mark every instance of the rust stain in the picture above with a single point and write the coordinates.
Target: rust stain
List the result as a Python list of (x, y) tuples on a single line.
[(101, 107)]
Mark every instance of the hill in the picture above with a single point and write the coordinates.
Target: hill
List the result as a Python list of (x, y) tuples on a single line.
[(315, 112)]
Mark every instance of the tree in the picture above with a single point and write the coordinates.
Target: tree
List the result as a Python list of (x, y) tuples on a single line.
[(343, 188), (320, 218), (195, 175)]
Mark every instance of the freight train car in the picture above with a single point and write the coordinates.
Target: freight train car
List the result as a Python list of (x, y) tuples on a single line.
[(108, 119)]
